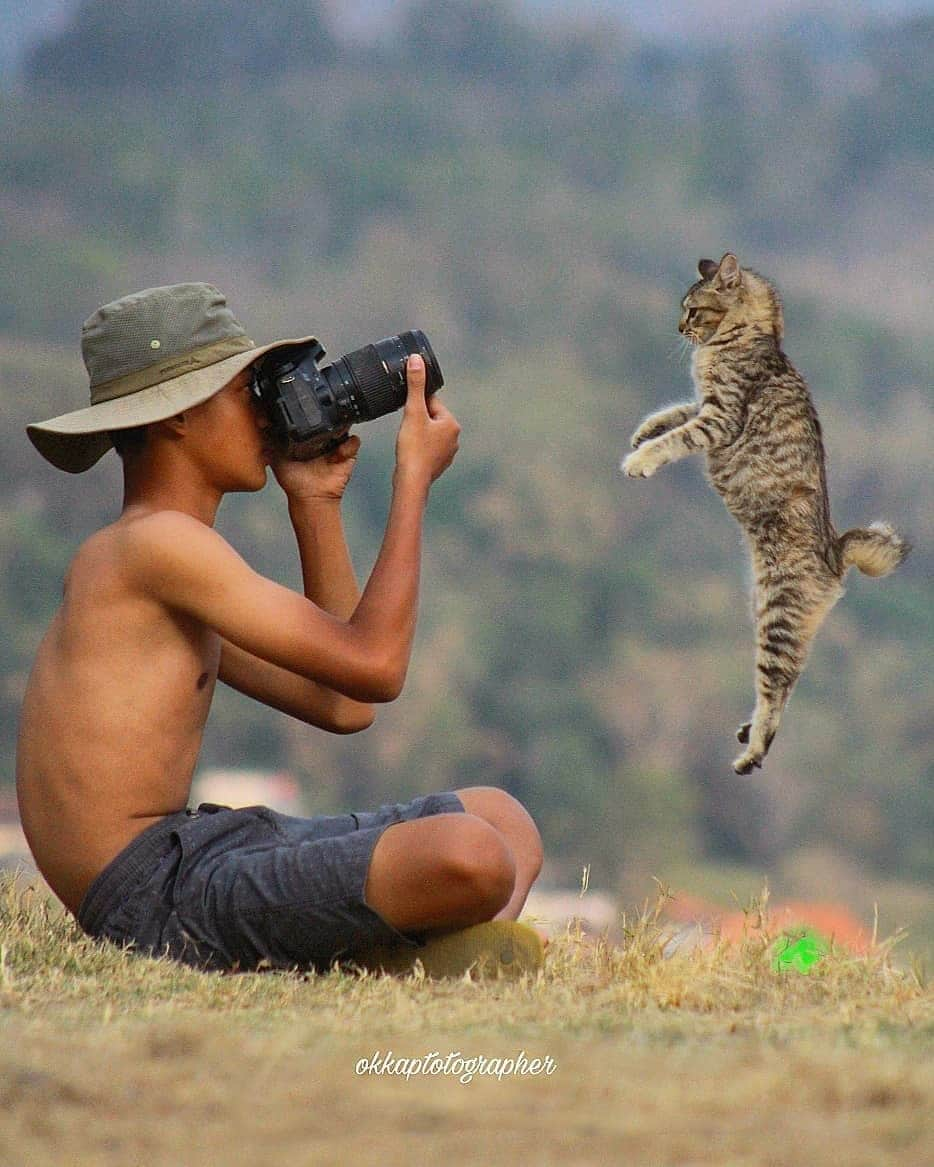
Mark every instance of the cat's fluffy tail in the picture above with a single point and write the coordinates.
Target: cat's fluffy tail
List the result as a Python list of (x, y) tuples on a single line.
[(875, 550)]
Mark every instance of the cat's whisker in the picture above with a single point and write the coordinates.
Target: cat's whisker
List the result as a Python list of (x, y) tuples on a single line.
[(676, 354), (684, 351)]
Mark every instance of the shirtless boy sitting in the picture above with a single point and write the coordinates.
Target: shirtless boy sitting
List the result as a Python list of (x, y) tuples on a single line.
[(157, 607)]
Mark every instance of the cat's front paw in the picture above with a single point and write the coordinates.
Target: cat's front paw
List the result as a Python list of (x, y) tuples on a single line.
[(648, 430), (642, 463)]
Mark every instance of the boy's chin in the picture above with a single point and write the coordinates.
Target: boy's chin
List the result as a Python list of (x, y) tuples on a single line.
[(255, 483)]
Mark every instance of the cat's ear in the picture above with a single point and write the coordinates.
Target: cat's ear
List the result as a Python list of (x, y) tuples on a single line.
[(730, 275), (707, 269)]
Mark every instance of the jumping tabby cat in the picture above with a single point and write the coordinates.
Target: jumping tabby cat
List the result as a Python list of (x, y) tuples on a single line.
[(755, 419)]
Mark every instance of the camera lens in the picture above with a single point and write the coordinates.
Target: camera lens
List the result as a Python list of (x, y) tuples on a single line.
[(373, 377)]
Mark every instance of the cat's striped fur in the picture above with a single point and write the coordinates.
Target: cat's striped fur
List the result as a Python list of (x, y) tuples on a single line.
[(755, 419)]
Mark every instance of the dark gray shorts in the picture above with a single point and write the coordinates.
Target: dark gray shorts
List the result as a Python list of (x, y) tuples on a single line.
[(224, 889)]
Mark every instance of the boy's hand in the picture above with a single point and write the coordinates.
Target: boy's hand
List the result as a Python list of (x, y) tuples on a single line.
[(428, 436), (323, 478)]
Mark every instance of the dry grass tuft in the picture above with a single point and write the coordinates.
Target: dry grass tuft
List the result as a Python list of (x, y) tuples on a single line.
[(48, 967)]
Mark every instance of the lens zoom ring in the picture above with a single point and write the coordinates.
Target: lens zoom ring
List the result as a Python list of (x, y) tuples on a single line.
[(375, 392)]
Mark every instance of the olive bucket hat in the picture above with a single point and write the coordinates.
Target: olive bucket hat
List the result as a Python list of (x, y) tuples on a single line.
[(149, 356)]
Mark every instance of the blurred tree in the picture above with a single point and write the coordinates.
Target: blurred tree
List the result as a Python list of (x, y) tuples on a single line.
[(481, 39), (157, 44), (891, 116), (536, 196), (725, 152)]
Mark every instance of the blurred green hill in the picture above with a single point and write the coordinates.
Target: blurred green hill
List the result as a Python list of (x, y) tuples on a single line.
[(535, 197)]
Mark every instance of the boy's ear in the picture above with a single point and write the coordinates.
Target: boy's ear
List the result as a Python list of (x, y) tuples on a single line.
[(172, 426)]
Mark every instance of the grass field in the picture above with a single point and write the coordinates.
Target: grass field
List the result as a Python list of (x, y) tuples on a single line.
[(702, 1058)]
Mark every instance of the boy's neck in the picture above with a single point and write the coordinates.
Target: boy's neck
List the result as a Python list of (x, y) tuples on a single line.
[(156, 484)]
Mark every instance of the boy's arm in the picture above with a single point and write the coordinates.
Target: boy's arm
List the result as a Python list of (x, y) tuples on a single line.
[(186, 565), (314, 491)]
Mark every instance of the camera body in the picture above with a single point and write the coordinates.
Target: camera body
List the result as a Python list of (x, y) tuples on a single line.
[(310, 407)]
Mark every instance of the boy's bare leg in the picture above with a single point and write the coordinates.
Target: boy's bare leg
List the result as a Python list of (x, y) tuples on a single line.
[(454, 870), (443, 872), (508, 816)]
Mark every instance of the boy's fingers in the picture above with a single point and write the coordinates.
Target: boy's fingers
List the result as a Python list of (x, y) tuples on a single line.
[(436, 409), (346, 450), (415, 382)]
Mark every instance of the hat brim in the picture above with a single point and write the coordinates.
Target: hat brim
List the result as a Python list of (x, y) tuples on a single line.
[(75, 441)]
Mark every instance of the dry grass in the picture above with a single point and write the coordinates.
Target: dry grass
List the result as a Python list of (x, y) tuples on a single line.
[(704, 1058)]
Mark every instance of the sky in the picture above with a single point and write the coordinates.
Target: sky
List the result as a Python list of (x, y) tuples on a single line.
[(24, 21), (730, 19), (679, 20), (676, 20), (684, 19)]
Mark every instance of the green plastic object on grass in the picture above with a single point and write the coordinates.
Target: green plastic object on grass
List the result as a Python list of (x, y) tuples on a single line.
[(800, 952)]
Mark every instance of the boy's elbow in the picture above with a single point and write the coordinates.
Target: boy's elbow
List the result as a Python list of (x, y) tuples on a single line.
[(353, 718), (378, 678), (387, 682)]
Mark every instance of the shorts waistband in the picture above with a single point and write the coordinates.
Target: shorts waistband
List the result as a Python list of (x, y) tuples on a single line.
[(123, 873)]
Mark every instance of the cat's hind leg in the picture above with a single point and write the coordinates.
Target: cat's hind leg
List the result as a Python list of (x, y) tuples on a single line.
[(771, 696), (788, 617)]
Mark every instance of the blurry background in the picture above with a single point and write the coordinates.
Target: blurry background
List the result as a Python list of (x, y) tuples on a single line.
[(533, 185)]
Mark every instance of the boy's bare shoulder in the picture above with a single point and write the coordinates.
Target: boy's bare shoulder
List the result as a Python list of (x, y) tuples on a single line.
[(164, 537), (178, 560), (161, 524), (150, 553)]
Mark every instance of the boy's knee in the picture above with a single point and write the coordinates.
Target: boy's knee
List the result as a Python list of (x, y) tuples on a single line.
[(509, 816), (480, 863)]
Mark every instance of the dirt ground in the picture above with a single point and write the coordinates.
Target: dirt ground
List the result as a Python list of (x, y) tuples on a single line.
[(203, 1091)]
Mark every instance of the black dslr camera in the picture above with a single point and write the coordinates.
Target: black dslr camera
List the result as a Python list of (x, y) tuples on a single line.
[(310, 408)]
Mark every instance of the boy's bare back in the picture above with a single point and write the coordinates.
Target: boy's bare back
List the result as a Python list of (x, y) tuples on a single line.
[(112, 719)]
